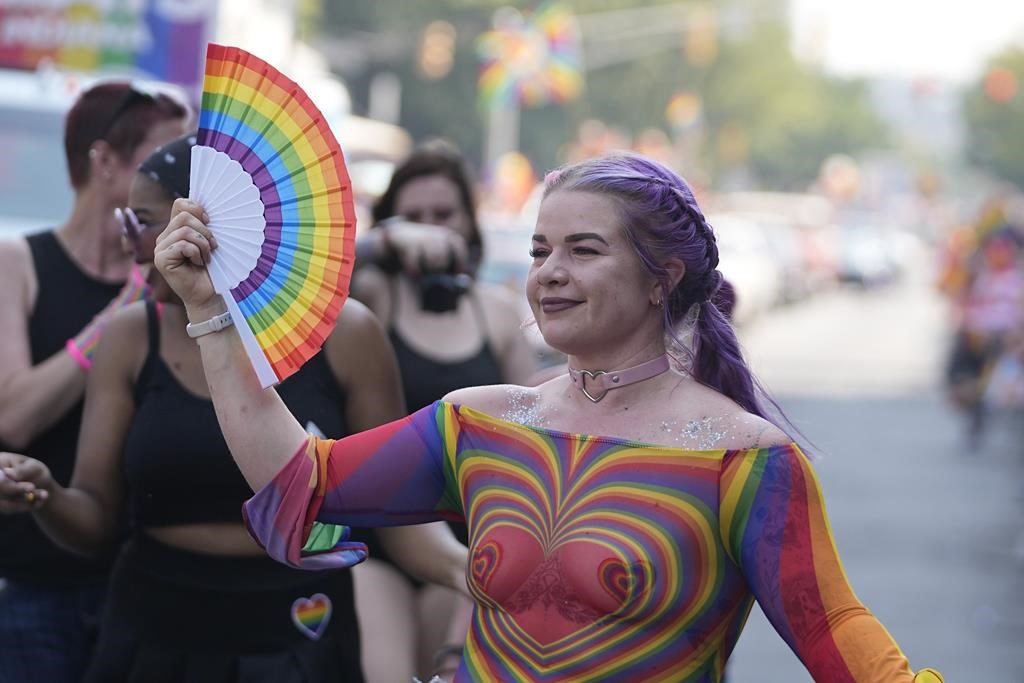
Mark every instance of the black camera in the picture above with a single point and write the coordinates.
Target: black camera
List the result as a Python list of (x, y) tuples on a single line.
[(440, 290)]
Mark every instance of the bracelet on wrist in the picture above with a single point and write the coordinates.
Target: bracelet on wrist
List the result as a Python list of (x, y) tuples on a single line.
[(83, 361), (214, 324)]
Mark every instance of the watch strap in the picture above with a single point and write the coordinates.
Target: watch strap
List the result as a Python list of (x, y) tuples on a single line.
[(214, 324)]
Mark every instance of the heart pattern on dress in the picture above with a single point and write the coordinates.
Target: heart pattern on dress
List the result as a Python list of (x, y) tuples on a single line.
[(485, 559)]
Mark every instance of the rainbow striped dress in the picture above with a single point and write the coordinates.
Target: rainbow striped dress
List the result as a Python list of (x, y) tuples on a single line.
[(592, 558)]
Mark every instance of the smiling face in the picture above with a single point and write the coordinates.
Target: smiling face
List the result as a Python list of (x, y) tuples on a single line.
[(589, 292), (151, 204), (434, 200)]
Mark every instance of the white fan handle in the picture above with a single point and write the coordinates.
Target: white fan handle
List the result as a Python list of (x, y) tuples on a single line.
[(264, 372)]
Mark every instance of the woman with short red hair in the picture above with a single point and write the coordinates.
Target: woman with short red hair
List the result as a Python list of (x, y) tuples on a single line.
[(60, 287)]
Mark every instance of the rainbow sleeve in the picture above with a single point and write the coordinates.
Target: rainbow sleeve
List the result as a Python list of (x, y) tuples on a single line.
[(775, 529), (399, 473)]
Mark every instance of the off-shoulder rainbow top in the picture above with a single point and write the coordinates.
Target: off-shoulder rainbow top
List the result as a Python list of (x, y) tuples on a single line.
[(592, 558)]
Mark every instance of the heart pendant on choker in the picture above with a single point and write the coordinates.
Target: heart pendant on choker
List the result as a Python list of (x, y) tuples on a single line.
[(595, 384)]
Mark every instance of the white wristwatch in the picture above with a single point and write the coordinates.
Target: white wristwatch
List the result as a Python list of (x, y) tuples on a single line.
[(214, 324)]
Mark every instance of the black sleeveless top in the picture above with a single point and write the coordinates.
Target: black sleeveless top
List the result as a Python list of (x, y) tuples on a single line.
[(67, 300), (425, 380), (177, 466)]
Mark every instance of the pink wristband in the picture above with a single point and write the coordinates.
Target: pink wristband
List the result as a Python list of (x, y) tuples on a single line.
[(72, 348)]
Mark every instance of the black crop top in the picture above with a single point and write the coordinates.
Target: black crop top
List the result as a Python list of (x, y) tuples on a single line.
[(177, 465)]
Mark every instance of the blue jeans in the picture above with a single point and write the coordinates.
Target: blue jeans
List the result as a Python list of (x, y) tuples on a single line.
[(47, 634)]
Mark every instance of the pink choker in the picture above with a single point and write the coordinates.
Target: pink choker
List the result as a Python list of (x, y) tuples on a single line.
[(604, 381)]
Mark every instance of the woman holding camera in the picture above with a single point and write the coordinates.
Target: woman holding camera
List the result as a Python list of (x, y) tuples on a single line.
[(449, 332)]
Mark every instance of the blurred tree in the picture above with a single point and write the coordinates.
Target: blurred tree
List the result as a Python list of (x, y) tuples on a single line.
[(792, 116), (765, 111), (994, 110)]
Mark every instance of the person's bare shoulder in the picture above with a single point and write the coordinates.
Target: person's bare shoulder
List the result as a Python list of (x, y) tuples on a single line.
[(357, 342), (128, 325), (492, 399), (355, 321), (753, 431), (369, 285), (126, 339), (16, 274), (736, 427)]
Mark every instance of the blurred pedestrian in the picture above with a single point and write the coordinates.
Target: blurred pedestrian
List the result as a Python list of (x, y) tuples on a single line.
[(192, 597), (989, 312), (449, 331), (624, 517), (60, 289)]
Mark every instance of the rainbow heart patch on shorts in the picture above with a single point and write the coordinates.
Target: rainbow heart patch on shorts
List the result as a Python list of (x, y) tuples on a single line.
[(311, 615)]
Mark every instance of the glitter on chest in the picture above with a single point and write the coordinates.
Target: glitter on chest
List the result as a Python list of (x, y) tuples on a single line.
[(524, 408), (702, 434)]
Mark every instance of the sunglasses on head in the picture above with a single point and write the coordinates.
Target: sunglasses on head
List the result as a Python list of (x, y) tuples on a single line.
[(133, 96)]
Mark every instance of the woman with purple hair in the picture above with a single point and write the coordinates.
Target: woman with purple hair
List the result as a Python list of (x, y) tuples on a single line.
[(623, 518)]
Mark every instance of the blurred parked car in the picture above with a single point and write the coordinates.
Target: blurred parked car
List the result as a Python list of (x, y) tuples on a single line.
[(813, 217), (786, 249), (747, 261), (873, 252), (863, 258)]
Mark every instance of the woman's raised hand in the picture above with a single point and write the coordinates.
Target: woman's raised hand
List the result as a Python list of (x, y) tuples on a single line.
[(183, 252), (25, 483), (421, 247)]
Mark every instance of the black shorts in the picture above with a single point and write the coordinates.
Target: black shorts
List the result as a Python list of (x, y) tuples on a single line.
[(180, 617)]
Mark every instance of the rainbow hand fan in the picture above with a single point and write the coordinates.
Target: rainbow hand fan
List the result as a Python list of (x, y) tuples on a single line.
[(272, 179)]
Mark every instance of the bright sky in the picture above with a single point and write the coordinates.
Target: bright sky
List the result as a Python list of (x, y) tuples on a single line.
[(943, 39)]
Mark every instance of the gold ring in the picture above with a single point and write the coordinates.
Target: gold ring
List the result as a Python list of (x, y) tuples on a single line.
[(30, 497)]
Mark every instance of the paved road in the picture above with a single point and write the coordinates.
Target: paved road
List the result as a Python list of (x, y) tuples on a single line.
[(931, 536)]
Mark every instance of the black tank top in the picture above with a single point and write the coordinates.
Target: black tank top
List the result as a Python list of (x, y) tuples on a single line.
[(177, 466), (67, 300), (426, 380)]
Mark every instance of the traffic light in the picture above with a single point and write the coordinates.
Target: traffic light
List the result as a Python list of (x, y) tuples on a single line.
[(700, 39), (1000, 84), (437, 50)]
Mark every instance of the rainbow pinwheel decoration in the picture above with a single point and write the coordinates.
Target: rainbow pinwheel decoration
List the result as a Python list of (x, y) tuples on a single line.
[(531, 61), (272, 178)]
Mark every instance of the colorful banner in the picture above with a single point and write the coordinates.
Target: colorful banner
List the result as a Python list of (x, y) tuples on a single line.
[(159, 39)]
